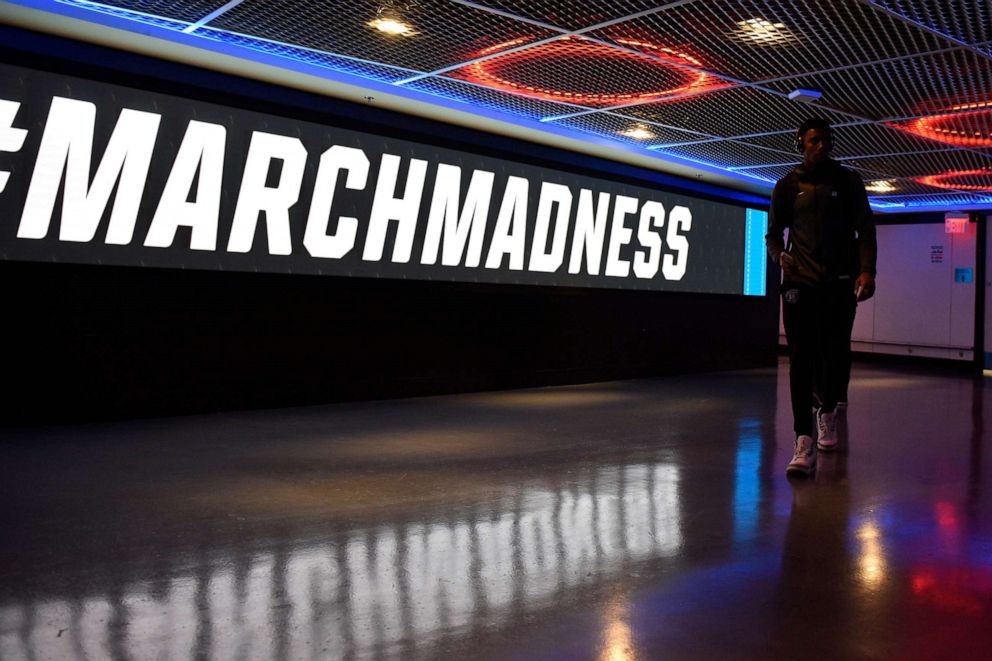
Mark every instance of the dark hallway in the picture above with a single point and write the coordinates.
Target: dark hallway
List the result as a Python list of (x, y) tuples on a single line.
[(625, 520)]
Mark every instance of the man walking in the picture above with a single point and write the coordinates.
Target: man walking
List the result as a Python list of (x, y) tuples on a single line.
[(828, 266)]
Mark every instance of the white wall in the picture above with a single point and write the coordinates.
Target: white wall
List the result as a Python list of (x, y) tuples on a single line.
[(918, 309)]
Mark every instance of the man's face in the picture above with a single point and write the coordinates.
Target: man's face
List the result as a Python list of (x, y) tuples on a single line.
[(816, 146)]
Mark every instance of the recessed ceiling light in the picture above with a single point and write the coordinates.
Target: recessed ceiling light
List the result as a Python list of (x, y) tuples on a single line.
[(638, 132), (392, 26), (881, 186), (763, 32)]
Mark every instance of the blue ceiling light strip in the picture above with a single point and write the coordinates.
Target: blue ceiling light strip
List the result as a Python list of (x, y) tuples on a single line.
[(129, 15), (758, 177), (352, 66), (931, 202), (326, 61), (709, 166), (756, 226)]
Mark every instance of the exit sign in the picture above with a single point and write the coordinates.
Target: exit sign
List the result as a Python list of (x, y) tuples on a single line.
[(955, 223)]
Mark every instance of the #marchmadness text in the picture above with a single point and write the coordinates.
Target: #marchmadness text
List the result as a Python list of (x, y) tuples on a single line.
[(469, 218)]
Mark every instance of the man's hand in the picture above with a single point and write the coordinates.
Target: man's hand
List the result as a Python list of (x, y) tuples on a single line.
[(786, 263), (864, 286)]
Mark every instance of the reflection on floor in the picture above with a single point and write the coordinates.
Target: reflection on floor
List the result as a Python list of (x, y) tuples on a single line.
[(630, 520)]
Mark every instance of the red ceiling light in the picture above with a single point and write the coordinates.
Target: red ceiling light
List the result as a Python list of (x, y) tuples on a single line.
[(964, 125), (961, 180), (505, 72)]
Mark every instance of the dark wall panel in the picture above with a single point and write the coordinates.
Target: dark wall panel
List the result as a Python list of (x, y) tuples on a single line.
[(96, 342)]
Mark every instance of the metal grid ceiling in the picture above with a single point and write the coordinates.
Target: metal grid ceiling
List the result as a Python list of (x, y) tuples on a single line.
[(908, 83)]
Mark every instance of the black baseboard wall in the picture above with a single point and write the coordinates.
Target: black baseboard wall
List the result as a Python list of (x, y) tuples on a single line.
[(90, 342)]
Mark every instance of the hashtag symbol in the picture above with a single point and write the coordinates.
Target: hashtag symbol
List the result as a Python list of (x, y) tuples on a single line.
[(11, 139)]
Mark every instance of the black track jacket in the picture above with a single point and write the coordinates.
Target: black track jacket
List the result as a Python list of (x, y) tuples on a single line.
[(831, 230)]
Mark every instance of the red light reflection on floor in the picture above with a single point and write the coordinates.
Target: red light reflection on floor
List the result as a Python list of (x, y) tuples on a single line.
[(948, 617), (947, 517), (491, 72), (963, 591)]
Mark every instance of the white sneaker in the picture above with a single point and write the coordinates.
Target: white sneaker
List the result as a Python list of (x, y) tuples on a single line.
[(804, 459), (826, 424)]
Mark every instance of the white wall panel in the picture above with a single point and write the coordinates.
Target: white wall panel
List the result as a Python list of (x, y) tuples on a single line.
[(913, 302)]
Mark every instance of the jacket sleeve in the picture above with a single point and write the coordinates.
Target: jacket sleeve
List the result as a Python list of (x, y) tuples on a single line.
[(864, 225), (779, 217)]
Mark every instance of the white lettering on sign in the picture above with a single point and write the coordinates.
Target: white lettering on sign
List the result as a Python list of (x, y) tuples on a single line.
[(11, 139), (590, 232), (675, 265), (652, 215), (255, 197), (510, 236), (571, 231), (558, 197), (316, 239), (67, 148), (620, 236), (457, 228), (387, 206), (202, 150)]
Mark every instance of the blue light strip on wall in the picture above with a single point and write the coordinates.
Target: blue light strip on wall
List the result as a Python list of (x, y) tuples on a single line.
[(754, 252)]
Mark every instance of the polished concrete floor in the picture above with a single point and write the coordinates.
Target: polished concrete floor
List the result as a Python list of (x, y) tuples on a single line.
[(632, 520)]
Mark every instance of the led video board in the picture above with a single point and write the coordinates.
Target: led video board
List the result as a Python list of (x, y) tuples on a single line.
[(96, 173)]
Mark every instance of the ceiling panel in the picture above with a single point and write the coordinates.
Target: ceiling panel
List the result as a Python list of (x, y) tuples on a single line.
[(769, 174), (731, 154), (442, 33), (571, 14), (190, 11), (480, 96), (858, 140), (910, 87), (966, 125), (907, 83), (625, 129), (966, 20), (733, 112), (358, 67), (577, 70), (932, 163), (887, 186), (752, 40)]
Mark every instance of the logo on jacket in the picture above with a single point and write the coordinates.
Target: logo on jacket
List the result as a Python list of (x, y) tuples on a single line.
[(792, 296)]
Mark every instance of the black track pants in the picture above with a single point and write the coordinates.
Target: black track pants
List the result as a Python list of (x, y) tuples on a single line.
[(817, 320)]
